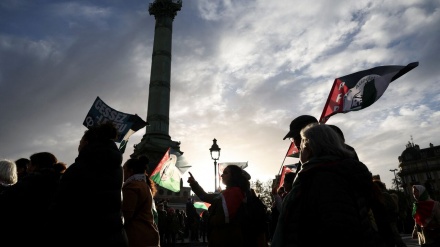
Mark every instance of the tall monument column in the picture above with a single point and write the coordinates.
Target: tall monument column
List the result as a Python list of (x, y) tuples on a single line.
[(156, 140)]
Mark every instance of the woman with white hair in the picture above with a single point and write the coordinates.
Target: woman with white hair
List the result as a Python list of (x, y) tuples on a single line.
[(330, 197), (426, 214), (8, 174)]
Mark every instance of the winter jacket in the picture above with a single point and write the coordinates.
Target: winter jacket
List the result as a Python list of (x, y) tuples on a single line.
[(327, 206), (223, 227), (24, 209), (87, 206), (138, 215)]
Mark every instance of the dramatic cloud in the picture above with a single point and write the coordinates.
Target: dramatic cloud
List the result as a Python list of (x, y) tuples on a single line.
[(241, 71)]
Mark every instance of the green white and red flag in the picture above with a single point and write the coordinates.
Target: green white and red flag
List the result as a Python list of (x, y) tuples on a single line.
[(169, 171), (359, 90), (202, 205)]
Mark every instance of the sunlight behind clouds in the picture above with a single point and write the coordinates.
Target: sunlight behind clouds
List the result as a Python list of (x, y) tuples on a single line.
[(240, 72)]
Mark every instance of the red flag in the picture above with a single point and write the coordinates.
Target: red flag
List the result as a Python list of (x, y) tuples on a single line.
[(359, 90), (283, 173), (293, 151)]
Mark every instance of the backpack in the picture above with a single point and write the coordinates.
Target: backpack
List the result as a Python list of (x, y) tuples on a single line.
[(253, 218)]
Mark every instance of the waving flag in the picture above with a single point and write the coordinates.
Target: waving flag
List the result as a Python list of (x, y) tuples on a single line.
[(359, 90), (283, 174), (169, 171), (127, 124), (292, 151), (223, 165), (202, 205)]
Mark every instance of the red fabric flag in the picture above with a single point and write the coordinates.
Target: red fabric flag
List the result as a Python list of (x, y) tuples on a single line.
[(283, 174), (359, 90), (293, 151)]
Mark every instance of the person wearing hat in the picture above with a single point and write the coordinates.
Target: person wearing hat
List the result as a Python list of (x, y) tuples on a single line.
[(330, 198), (294, 131)]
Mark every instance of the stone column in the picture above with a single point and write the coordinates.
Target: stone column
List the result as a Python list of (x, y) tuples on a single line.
[(157, 139)]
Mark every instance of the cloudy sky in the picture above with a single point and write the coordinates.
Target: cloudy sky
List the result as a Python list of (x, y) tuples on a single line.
[(241, 71)]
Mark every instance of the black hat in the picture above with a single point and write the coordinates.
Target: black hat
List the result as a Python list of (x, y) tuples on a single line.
[(298, 123)]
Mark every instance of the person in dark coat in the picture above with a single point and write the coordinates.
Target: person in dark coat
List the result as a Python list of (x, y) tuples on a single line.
[(224, 228), (22, 165), (330, 197), (24, 206), (86, 210)]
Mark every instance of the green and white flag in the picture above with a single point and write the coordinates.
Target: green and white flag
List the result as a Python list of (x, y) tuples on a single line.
[(202, 205), (169, 171)]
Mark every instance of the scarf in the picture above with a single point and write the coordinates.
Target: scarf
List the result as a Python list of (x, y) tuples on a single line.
[(136, 177), (423, 207), (231, 197)]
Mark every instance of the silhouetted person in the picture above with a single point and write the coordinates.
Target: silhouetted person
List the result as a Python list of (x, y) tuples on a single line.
[(22, 165), (330, 197), (87, 207), (26, 203)]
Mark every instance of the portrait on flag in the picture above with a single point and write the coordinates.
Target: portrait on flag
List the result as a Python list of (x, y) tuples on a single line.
[(170, 169), (359, 90)]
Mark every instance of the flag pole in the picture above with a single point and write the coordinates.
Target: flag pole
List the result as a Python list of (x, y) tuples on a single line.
[(122, 146), (323, 118), (292, 143)]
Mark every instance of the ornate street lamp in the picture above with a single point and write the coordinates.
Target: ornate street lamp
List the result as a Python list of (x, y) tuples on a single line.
[(395, 178), (215, 155)]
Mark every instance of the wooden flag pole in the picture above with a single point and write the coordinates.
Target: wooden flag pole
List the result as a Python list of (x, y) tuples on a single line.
[(282, 164)]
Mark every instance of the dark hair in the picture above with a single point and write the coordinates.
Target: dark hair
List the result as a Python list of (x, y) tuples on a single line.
[(140, 166), (381, 185), (103, 132), (238, 178), (22, 163), (60, 167), (43, 160)]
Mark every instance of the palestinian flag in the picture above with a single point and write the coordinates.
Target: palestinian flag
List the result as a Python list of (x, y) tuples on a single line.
[(359, 90), (202, 205), (166, 174)]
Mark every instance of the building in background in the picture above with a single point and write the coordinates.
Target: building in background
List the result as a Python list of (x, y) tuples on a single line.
[(173, 197), (420, 166)]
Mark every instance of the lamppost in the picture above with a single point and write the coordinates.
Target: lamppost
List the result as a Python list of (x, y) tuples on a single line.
[(215, 155), (395, 178)]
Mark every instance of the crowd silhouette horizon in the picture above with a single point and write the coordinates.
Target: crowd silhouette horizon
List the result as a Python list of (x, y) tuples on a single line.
[(101, 200)]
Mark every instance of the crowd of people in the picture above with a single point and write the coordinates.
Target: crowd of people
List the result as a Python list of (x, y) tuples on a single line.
[(97, 200), (332, 199)]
